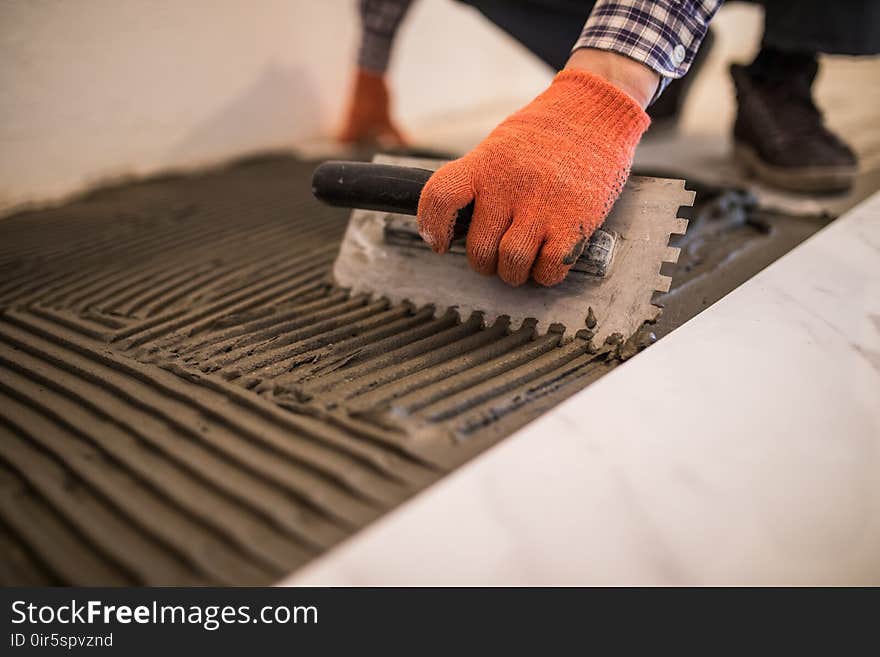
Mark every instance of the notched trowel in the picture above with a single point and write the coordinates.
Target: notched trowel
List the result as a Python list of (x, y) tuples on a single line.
[(608, 290)]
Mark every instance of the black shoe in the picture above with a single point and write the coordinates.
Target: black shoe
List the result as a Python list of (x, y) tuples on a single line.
[(779, 133)]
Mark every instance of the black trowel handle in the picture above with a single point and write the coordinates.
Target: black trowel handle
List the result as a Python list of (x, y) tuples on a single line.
[(382, 187)]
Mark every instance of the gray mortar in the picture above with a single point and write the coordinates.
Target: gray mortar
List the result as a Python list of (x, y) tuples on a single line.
[(186, 398)]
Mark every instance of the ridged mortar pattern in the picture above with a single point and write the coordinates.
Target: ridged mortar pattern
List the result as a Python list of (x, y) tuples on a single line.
[(186, 398)]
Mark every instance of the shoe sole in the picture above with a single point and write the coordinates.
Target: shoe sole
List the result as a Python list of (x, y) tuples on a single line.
[(806, 179)]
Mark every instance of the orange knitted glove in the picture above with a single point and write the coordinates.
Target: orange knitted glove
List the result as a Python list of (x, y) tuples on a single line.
[(368, 120), (542, 181)]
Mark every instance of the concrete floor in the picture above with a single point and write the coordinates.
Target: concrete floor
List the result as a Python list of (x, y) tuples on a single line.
[(186, 398)]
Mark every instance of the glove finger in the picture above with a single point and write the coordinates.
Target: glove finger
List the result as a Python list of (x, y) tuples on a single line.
[(557, 257), (488, 225), (449, 190), (517, 252)]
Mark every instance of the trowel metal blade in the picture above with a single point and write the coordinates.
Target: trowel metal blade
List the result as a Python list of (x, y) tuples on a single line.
[(642, 220)]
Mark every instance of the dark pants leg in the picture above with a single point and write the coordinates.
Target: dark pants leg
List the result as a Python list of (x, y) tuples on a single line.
[(796, 31), (839, 27)]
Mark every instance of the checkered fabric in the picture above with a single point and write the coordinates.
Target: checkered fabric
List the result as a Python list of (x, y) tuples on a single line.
[(662, 34)]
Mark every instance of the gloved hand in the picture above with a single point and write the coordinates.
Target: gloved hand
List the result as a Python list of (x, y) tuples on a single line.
[(368, 120), (542, 181)]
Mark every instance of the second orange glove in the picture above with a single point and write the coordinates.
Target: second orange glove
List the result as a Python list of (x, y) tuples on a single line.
[(542, 181)]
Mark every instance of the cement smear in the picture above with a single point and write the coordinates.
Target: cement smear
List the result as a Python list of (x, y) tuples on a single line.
[(186, 398)]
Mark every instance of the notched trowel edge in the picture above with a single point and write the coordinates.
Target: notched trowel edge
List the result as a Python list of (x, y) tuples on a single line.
[(642, 222)]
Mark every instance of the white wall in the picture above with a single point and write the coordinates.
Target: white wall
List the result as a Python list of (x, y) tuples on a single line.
[(98, 89)]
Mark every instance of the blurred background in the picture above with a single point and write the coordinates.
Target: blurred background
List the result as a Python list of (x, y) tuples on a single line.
[(101, 90)]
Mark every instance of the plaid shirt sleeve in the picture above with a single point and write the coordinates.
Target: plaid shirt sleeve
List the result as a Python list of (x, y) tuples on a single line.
[(380, 20), (662, 34)]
